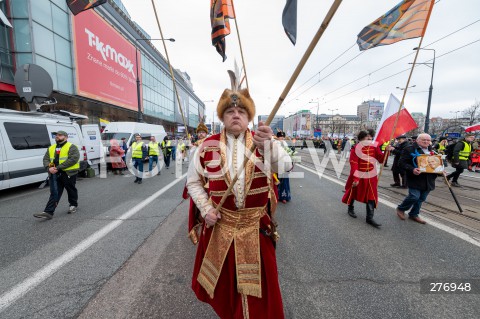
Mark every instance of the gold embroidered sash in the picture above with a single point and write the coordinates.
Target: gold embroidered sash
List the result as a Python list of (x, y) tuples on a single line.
[(242, 228)]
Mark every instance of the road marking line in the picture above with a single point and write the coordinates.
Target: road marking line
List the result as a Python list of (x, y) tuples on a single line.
[(430, 221), (11, 296)]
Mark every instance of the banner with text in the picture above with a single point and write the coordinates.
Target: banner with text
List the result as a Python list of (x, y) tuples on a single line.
[(105, 62)]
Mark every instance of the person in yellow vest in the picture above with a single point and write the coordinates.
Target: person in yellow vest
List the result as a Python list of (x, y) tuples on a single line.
[(167, 150), (181, 148), (153, 153), (440, 147), (62, 160), (461, 153), (383, 149), (139, 154)]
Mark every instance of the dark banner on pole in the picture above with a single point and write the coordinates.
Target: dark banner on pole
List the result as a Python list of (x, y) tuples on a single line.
[(77, 6)]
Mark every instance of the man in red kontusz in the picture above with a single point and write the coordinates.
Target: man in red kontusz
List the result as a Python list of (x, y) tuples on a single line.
[(235, 268)]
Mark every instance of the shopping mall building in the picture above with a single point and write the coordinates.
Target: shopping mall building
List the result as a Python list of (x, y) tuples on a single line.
[(94, 60)]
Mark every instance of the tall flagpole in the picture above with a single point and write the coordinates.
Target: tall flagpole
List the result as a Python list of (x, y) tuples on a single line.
[(171, 70), (296, 73), (406, 87), (240, 44)]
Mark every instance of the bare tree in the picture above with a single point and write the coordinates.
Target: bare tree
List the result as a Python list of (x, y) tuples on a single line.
[(436, 125), (472, 113)]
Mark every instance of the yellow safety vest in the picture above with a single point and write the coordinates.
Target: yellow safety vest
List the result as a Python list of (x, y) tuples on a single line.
[(169, 143), (153, 148), (441, 148), (182, 146), (465, 153), (384, 146), (63, 156), (137, 151)]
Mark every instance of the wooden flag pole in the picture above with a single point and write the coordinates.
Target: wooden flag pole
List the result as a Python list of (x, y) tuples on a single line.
[(301, 64), (406, 88), (400, 109), (171, 70), (240, 44)]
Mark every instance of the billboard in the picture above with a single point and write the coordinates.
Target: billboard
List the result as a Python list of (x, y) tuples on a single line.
[(105, 62), (375, 112)]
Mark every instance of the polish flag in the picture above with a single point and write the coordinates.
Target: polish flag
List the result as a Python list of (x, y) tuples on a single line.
[(473, 128), (405, 121)]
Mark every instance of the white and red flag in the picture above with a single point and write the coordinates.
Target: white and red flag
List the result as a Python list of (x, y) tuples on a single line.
[(473, 128), (405, 122)]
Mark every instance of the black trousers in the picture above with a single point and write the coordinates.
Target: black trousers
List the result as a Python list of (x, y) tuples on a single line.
[(166, 158), (63, 182), (396, 178), (455, 175)]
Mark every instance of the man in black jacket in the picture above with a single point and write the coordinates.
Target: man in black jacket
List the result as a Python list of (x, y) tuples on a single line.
[(461, 154), (419, 184), (396, 170)]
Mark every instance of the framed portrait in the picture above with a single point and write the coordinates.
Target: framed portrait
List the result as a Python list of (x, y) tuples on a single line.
[(430, 164)]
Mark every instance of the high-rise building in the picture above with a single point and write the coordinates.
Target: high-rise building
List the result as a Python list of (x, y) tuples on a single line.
[(370, 112), (299, 124), (94, 60)]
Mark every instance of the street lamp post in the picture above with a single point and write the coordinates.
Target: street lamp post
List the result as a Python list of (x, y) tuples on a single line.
[(139, 100), (427, 119)]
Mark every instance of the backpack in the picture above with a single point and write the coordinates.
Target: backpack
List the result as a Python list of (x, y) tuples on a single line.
[(449, 151)]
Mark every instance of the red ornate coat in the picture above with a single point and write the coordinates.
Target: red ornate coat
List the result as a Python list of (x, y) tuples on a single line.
[(363, 169), (235, 267)]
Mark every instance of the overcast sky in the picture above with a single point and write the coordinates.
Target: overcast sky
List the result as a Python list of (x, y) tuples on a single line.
[(271, 58)]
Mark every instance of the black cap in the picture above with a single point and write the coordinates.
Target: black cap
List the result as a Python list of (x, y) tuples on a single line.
[(401, 136), (280, 134)]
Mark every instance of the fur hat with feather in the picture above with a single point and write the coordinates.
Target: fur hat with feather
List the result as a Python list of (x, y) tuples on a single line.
[(236, 97)]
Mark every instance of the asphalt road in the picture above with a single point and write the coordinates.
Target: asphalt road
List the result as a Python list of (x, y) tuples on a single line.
[(330, 265), (50, 269)]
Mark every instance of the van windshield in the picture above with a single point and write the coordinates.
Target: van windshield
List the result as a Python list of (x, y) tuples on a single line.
[(106, 137)]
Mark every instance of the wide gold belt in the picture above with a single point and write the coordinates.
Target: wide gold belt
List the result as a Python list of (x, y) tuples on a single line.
[(242, 228)]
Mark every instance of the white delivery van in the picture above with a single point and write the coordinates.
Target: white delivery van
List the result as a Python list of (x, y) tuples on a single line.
[(24, 139), (92, 142), (119, 130)]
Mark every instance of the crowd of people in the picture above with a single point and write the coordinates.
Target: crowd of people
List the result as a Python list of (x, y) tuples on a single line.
[(417, 163), (232, 222)]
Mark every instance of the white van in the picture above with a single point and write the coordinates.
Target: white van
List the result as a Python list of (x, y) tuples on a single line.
[(119, 130), (92, 142), (24, 139)]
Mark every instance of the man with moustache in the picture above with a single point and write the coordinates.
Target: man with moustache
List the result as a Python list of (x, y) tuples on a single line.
[(235, 269)]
